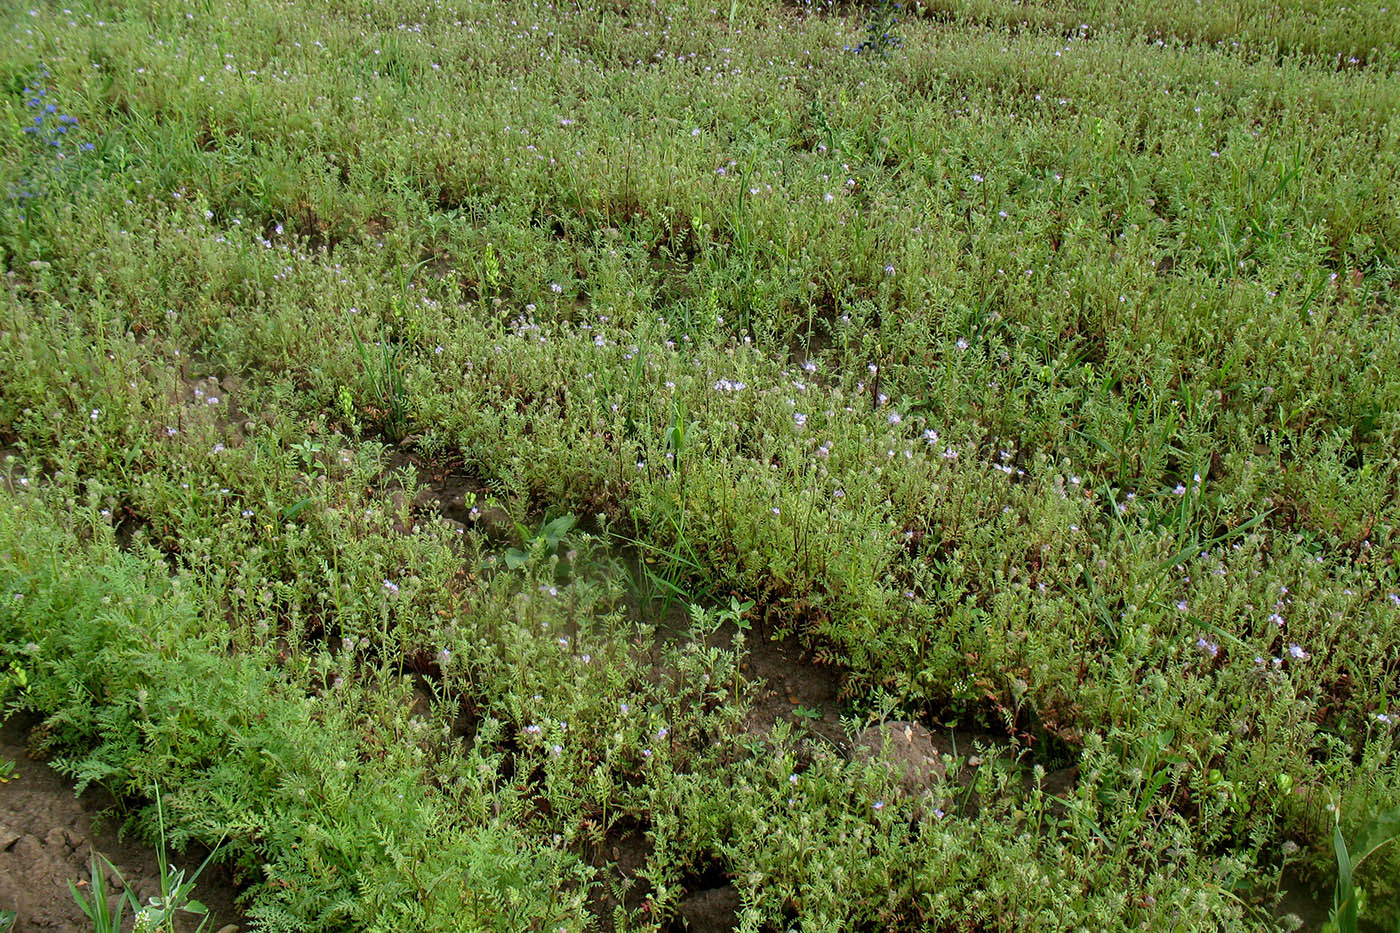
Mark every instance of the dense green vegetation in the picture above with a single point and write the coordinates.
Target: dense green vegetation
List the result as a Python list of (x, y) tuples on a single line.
[(377, 378)]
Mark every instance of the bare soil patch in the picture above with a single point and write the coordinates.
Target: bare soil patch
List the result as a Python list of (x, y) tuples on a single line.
[(47, 837)]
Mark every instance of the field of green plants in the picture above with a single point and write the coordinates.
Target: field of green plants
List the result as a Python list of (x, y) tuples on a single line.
[(416, 417)]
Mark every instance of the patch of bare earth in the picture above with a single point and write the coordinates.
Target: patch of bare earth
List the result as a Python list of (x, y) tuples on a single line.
[(47, 837)]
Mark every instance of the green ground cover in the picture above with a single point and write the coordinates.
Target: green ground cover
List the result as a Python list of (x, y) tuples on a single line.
[(377, 379)]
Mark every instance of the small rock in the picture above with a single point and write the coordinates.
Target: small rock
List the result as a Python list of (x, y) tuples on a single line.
[(909, 750), (60, 838), (28, 848), (497, 524), (425, 499)]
